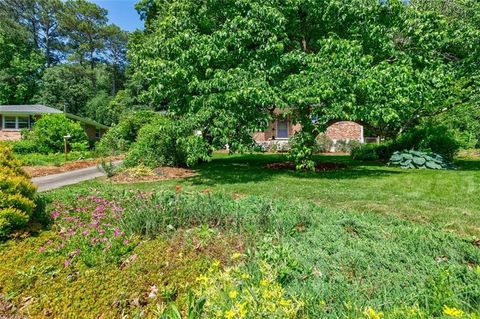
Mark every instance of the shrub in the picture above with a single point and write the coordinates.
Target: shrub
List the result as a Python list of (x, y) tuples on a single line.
[(120, 137), (427, 138), (365, 152), (167, 142), (324, 143), (416, 159), (369, 152), (48, 132), (25, 146), (345, 146), (17, 193)]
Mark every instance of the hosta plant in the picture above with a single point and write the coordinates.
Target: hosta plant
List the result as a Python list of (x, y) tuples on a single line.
[(417, 159)]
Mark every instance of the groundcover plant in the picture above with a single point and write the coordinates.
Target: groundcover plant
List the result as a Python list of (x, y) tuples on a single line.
[(117, 253)]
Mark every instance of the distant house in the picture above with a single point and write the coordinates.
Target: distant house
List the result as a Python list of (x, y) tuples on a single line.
[(14, 118), (281, 129)]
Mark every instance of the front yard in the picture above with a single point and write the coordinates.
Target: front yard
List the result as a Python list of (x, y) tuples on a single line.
[(447, 199), (366, 241)]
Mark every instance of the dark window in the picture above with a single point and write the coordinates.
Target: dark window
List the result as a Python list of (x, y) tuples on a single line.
[(23, 122), (9, 122), (282, 129)]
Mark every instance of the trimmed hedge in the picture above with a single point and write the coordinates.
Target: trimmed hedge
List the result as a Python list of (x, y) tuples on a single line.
[(17, 193)]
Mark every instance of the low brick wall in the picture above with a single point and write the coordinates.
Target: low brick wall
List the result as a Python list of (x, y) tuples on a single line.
[(6, 135), (345, 131)]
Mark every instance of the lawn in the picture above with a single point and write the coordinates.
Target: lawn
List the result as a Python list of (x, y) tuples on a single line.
[(368, 241), (449, 200)]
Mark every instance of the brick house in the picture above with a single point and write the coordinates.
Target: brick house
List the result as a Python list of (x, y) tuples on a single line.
[(14, 118), (280, 130)]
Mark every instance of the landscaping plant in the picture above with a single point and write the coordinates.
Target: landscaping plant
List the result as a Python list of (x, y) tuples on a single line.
[(121, 136), (48, 133), (168, 142), (416, 159), (17, 193)]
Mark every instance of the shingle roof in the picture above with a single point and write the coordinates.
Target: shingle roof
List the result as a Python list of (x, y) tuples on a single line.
[(30, 109), (35, 109)]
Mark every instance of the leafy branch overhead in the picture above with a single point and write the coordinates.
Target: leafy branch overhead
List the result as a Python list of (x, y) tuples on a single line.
[(386, 64)]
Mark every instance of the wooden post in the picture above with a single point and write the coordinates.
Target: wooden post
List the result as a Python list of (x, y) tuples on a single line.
[(65, 146)]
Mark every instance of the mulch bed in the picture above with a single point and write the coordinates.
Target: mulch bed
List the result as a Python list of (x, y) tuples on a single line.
[(158, 174), (37, 171), (319, 167)]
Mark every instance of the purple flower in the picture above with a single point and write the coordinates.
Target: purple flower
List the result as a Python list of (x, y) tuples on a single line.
[(116, 232)]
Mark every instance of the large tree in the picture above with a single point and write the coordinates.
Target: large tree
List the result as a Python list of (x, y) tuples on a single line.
[(40, 20), (231, 63), (20, 64)]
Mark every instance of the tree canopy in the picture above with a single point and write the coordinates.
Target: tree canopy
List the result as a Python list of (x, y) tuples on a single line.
[(61, 53), (388, 64)]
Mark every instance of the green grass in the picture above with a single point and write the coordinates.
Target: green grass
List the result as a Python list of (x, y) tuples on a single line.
[(58, 159), (337, 243), (335, 263), (448, 199)]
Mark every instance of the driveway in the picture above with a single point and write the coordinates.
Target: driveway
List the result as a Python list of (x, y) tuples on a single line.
[(46, 183)]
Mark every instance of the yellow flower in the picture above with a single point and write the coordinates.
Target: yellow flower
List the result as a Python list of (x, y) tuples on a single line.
[(478, 269), (263, 282), (285, 303), (236, 256), (452, 312), (322, 303), (229, 314), (245, 276), (242, 310), (372, 314), (202, 279), (233, 294)]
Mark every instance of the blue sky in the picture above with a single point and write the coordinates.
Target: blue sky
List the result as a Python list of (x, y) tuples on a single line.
[(122, 13)]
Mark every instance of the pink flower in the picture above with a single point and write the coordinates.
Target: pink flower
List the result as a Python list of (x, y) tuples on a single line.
[(67, 263), (116, 232), (125, 241), (104, 239), (41, 249), (55, 214), (85, 232)]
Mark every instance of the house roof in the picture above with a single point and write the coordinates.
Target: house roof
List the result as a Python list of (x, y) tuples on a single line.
[(28, 109), (85, 120), (37, 109)]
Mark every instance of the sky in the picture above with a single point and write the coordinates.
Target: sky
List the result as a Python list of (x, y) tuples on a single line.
[(122, 13)]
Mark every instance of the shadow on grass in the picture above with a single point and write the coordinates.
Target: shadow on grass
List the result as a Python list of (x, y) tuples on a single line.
[(237, 169), (468, 165)]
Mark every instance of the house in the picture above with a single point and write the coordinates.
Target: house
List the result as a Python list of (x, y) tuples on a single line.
[(281, 129), (14, 118)]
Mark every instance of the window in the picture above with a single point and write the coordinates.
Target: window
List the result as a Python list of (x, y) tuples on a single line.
[(282, 129), (15, 122), (98, 134), (9, 122), (22, 122)]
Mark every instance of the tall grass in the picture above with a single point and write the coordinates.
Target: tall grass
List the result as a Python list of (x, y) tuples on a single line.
[(338, 261), (158, 213)]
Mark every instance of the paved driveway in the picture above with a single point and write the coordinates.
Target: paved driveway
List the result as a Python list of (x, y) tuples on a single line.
[(49, 182)]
